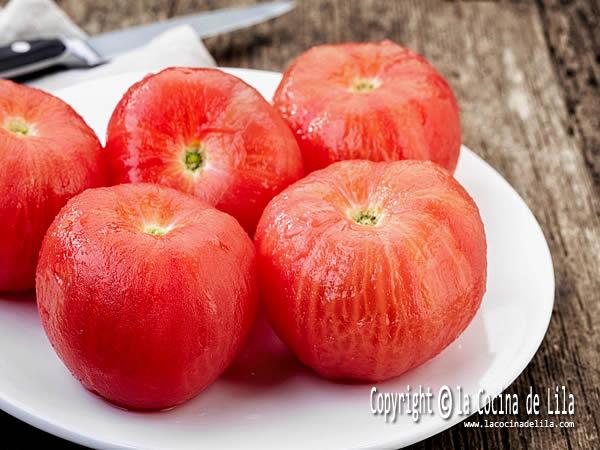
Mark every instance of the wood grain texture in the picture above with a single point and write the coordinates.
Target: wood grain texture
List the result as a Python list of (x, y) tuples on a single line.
[(527, 78), (573, 33)]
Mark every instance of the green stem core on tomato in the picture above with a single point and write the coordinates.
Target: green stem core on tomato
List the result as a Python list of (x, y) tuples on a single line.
[(194, 157), (156, 230), (367, 217), (17, 126), (363, 85)]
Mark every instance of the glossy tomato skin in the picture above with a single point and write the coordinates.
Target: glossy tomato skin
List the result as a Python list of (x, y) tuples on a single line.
[(375, 101), (146, 320), (249, 153), (369, 301), (47, 155)]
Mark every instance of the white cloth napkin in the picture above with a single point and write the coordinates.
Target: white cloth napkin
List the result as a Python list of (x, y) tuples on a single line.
[(30, 19)]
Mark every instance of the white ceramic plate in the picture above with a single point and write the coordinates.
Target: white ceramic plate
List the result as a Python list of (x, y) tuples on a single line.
[(287, 406)]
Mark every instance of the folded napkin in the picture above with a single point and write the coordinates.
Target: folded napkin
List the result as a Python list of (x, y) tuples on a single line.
[(30, 19)]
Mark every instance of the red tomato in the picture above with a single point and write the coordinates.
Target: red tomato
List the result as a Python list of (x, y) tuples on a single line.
[(47, 155), (370, 269), (146, 293), (374, 101), (206, 133)]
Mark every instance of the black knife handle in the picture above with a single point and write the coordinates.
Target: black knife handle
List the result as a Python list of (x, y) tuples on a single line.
[(29, 55), (24, 53), (25, 57)]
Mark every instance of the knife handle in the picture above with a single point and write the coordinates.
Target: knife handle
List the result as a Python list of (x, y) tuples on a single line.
[(25, 57)]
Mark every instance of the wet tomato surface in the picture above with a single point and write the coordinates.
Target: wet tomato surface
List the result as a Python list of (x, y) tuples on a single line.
[(375, 101), (146, 293), (206, 133), (47, 155), (370, 269)]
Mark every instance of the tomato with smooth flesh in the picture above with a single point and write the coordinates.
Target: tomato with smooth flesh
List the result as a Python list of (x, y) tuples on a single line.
[(206, 133), (375, 101), (146, 293), (370, 269), (47, 155)]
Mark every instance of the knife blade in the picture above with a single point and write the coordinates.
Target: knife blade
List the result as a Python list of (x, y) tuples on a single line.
[(206, 24), (25, 57)]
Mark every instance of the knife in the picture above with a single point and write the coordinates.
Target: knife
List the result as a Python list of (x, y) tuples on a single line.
[(24, 57)]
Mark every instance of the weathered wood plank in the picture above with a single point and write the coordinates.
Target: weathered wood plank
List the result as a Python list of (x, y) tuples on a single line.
[(106, 15), (573, 33)]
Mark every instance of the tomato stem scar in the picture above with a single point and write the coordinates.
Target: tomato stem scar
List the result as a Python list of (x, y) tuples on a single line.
[(157, 230), (363, 85), (194, 157), (18, 126), (367, 217)]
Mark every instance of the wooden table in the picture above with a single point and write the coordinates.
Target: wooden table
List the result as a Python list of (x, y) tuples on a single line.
[(527, 78)]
